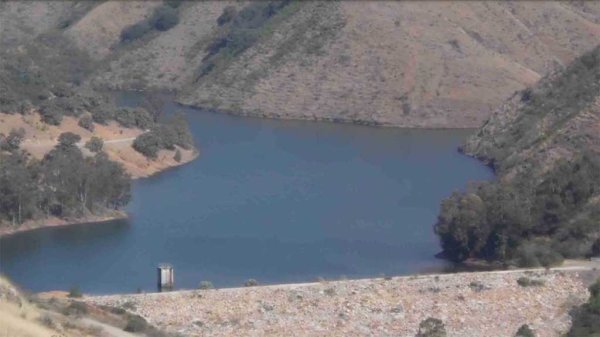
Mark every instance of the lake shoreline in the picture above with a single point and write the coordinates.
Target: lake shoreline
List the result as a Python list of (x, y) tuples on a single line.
[(343, 121), (32, 225), (57, 222)]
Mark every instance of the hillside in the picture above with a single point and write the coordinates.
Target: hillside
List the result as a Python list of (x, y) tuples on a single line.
[(53, 315), (412, 64), (409, 64), (544, 144)]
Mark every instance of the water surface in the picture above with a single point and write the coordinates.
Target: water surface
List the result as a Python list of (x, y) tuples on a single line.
[(278, 201)]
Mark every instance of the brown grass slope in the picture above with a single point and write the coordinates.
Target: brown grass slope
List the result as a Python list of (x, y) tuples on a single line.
[(411, 64), (414, 64), (557, 118)]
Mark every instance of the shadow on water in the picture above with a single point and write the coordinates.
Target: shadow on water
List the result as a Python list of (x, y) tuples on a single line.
[(277, 201)]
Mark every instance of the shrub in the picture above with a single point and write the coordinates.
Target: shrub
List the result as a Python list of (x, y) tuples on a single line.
[(148, 144), (76, 308), (164, 18), (75, 292), (596, 248), (102, 114), (14, 139), (527, 282), (86, 122), (173, 3), (177, 156), (68, 139), (586, 318), (205, 285), (136, 323), (431, 327), (47, 321), (51, 114), (526, 95), (95, 144), (135, 31), (251, 283), (228, 14), (525, 331), (138, 117), (477, 286), (535, 254), (175, 131), (129, 305)]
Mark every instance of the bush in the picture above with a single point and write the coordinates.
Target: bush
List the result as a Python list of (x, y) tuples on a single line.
[(102, 115), (251, 283), (228, 14), (47, 321), (586, 318), (431, 327), (148, 144), (596, 248), (75, 292), (136, 324), (51, 114), (129, 305), (173, 3), (76, 308), (526, 95), (535, 254), (13, 141), (164, 18), (177, 156), (135, 31), (68, 139), (95, 144), (175, 131), (205, 285), (86, 122), (138, 117), (527, 282), (525, 331)]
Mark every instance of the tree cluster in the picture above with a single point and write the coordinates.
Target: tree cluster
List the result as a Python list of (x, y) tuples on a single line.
[(525, 222), (173, 132), (64, 184)]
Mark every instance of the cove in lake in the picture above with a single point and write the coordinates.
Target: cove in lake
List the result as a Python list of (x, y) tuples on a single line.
[(277, 201)]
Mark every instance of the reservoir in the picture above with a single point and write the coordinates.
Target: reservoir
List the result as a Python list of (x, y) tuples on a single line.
[(276, 201)]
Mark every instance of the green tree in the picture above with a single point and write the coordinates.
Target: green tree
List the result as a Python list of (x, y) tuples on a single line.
[(14, 139), (68, 139), (432, 327), (86, 122), (95, 144), (525, 331)]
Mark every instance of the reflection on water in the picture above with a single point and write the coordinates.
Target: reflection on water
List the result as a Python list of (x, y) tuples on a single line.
[(278, 201)]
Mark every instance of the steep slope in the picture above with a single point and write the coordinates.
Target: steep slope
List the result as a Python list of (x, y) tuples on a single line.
[(545, 146), (413, 64)]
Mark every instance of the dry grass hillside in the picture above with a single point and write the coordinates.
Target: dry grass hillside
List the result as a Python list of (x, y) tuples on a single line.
[(412, 64), (56, 315)]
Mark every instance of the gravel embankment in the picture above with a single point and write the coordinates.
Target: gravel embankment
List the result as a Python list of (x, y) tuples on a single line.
[(490, 304)]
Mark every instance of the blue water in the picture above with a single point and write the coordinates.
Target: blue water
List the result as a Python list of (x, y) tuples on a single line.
[(277, 201)]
